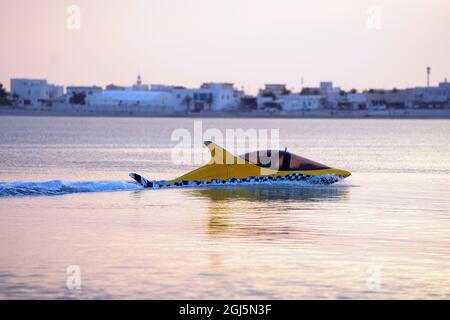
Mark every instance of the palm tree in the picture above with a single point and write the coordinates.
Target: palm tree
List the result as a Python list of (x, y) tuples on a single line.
[(78, 98), (3, 95), (2, 91), (187, 102)]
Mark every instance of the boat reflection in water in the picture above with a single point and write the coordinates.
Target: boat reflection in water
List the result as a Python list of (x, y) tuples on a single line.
[(274, 194), (267, 213)]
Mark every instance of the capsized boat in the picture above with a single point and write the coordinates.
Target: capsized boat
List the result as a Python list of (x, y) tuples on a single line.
[(268, 166)]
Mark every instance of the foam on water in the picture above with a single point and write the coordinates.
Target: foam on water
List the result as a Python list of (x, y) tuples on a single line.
[(58, 187)]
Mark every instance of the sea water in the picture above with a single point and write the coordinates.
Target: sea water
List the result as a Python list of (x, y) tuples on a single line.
[(67, 203)]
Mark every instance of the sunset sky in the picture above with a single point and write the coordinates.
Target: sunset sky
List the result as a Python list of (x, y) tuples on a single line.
[(248, 42)]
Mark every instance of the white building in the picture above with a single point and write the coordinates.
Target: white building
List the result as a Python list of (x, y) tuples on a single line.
[(113, 87), (55, 92), (132, 100), (297, 102), (36, 91), (357, 101), (266, 102), (331, 94), (209, 97), (163, 87), (428, 97), (445, 88), (327, 88), (30, 91), (223, 95)]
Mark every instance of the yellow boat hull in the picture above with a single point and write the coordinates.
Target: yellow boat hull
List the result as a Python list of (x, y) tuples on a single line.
[(224, 166)]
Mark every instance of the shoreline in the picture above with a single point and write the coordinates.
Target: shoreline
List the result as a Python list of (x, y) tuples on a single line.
[(312, 114)]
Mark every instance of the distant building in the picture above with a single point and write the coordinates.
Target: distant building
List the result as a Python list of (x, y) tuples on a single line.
[(419, 97), (203, 100), (248, 103), (36, 91), (166, 88), (163, 87), (427, 97), (332, 95), (55, 92), (383, 99), (445, 86), (277, 96), (357, 101), (312, 91), (223, 95), (158, 101), (113, 87), (327, 88), (268, 102), (209, 97), (30, 91), (137, 86), (297, 102), (86, 90), (273, 90)]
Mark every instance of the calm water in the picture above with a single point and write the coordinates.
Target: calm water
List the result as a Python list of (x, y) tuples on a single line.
[(383, 233)]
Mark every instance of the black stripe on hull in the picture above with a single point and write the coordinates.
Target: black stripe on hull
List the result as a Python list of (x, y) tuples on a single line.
[(294, 177)]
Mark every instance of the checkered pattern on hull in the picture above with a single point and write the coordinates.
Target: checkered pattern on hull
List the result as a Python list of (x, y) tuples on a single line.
[(294, 177), (290, 177)]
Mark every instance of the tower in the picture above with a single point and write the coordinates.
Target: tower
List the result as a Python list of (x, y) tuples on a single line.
[(428, 76), (139, 80), (139, 86)]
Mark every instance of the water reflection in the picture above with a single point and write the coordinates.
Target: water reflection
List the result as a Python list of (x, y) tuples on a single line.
[(272, 194), (266, 213)]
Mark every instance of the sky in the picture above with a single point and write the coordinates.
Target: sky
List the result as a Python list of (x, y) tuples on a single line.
[(354, 43)]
